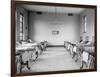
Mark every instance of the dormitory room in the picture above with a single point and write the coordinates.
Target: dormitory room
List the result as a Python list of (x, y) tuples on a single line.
[(54, 38)]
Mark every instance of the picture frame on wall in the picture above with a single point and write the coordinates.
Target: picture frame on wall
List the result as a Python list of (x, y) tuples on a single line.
[(25, 52), (55, 32)]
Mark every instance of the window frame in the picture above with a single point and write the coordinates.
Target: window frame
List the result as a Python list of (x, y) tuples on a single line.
[(21, 30), (84, 23)]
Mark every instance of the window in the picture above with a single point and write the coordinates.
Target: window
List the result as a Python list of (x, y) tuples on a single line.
[(21, 26), (84, 23)]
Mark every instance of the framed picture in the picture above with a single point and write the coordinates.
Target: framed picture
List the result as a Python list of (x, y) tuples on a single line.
[(34, 51), (55, 32)]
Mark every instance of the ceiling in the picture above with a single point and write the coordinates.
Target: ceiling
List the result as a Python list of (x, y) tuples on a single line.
[(52, 9)]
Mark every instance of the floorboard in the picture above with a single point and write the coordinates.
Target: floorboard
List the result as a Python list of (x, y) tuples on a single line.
[(54, 59)]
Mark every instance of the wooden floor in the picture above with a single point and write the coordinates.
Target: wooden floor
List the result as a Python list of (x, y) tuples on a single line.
[(54, 59)]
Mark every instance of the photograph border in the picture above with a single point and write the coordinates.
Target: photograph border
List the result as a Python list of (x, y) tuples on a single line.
[(13, 36)]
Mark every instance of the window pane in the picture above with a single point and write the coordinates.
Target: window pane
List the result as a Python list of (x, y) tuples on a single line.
[(21, 34), (21, 17), (21, 38), (21, 27), (84, 23)]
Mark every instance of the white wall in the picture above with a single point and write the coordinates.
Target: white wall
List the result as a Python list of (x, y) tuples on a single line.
[(89, 23), (41, 27), (24, 12)]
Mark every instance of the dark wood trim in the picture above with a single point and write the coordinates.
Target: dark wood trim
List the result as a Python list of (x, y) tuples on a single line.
[(55, 4), (13, 36), (95, 37), (56, 72)]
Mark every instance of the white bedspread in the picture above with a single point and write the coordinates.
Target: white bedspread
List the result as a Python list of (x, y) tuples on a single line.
[(85, 56)]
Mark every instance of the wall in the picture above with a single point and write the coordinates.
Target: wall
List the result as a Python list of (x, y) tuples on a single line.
[(41, 27), (90, 23), (25, 25)]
